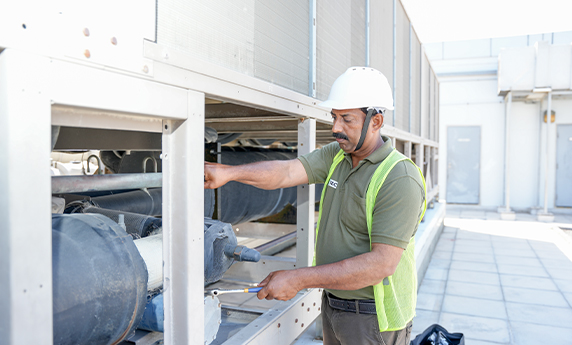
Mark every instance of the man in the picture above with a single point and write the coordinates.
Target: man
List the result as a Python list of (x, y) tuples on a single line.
[(364, 240)]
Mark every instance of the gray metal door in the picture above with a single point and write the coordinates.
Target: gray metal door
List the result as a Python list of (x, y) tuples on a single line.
[(564, 166), (463, 164)]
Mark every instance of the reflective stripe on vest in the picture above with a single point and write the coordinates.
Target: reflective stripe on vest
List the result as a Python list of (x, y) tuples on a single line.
[(395, 306)]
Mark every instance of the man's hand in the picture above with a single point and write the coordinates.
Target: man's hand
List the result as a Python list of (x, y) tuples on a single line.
[(280, 285), (216, 175)]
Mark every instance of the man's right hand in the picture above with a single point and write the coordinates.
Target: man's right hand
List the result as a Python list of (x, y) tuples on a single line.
[(216, 175)]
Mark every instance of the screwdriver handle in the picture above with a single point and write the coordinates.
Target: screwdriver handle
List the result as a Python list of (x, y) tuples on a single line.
[(253, 290)]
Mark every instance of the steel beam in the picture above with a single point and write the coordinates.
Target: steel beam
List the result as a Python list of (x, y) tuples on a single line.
[(26, 245), (183, 224), (312, 68), (306, 197), (93, 183)]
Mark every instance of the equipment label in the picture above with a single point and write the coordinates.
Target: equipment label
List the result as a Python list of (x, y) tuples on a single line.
[(333, 184)]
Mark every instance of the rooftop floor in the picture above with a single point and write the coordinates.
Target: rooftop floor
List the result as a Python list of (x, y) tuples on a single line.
[(500, 282)]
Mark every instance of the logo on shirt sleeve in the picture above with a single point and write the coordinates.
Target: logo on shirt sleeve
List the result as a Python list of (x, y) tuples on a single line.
[(333, 184)]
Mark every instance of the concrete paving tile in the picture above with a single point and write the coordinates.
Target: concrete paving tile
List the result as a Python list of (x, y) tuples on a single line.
[(534, 334), (474, 306), (473, 257), (473, 249), (515, 260), (531, 296), (563, 285), (492, 292), (552, 254), (523, 270), (492, 216), (473, 266), (507, 240), (500, 246), (422, 320), (464, 234), (436, 273), (442, 255), (444, 245), (439, 263), (449, 229), (565, 264), (448, 235), (545, 246), (527, 282), (479, 342), (475, 327), (467, 242), (521, 253), (432, 286), (560, 273), (544, 315), (429, 301), (474, 277), (568, 296)]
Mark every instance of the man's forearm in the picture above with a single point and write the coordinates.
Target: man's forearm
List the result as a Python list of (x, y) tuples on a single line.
[(350, 274), (263, 175)]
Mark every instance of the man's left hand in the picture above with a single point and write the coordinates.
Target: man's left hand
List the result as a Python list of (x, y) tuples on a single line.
[(280, 285)]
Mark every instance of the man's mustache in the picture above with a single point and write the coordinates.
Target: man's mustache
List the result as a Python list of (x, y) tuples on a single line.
[(340, 136)]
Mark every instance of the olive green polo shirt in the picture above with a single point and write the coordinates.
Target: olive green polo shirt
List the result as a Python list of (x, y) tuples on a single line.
[(343, 228)]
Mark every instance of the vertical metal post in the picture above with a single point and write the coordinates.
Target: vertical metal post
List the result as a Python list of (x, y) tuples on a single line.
[(407, 149), (219, 190), (183, 225), (546, 160), (419, 155), (26, 244), (508, 105), (410, 74), (306, 199), (367, 15), (421, 90), (394, 61), (312, 54)]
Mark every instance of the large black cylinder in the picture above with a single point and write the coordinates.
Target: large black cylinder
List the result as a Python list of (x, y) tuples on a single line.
[(99, 280)]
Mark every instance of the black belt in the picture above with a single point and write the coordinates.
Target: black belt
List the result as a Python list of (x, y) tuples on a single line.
[(358, 306)]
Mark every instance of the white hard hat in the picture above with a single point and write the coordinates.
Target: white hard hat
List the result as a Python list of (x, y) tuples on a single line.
[(360, 87)]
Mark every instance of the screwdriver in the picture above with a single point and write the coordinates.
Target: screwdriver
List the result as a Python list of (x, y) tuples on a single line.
[(217, 292)]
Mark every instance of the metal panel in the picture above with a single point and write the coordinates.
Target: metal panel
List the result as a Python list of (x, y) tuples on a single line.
[(564, 166), (402, 87), (542, 71), (183, 225), (463, 164), (358, 33), (281, 43), (381, 42), (416, 86), (516, 69), (306, 199), (560, 62), (333, 43), (26, 245), (218, 31)]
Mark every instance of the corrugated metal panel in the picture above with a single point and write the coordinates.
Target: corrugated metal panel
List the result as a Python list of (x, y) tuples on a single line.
[(333, 46), (358, 33), (218, 31), (381, 41), (416, 84), (402, 87), (281, 43)]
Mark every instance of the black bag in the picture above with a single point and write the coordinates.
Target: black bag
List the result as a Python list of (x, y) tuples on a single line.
[(437, 335)]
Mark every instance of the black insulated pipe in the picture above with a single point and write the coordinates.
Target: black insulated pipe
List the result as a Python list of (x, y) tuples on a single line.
[(99, 280)]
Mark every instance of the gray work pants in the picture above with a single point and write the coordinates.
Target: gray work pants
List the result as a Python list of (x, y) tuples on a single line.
[(347, 328)]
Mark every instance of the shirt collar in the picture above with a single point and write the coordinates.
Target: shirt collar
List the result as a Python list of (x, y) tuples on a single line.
[(378, 155)]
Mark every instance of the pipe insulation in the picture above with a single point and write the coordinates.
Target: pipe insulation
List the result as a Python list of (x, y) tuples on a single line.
[(99, 280), (151, 250), (94, 183)]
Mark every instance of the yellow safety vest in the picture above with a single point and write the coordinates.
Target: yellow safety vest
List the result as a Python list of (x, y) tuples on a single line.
[(396, 296)]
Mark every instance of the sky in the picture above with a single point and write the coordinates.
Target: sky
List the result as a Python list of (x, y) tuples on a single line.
[(454, 20)]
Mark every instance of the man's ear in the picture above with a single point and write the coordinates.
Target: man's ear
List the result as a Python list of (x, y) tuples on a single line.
[(376, 122)]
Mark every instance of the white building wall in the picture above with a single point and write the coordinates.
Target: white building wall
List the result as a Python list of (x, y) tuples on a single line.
[(473, 102)]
